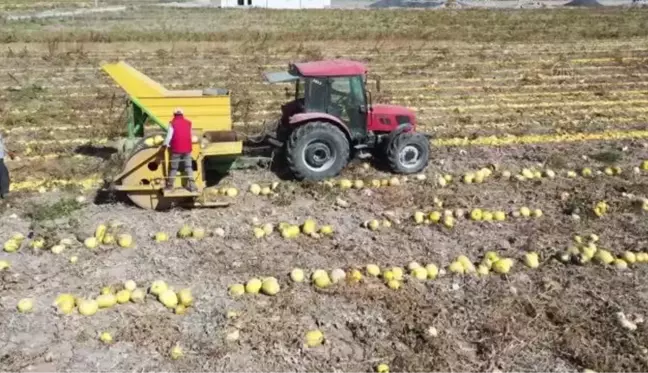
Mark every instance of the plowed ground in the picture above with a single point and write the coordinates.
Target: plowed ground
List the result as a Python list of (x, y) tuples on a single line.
[(500, 78)]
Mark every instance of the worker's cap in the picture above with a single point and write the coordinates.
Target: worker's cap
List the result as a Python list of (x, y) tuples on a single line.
[(178, 111)]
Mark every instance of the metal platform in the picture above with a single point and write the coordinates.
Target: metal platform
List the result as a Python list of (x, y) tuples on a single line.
[(180, 193)]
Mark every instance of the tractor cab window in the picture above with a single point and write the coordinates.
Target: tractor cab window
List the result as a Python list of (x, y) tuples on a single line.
[(342, 97), (300, 94), (301, 89), (348, 91), (317, 94), (357, 90), (347, 102)]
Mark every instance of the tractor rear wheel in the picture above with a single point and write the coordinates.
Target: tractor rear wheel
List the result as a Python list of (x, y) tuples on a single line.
[(316, 151), (408, 153)]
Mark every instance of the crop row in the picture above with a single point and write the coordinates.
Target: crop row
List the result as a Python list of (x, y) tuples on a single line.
[(459, 106), (60, 104), (582, 120), (375, 66), (230, 48), (451, 71), (445, 102), (161, 70), (555, 84), (91, 181), (459, 113), (439, 96), (205, 52), (37, 150), (431, 92), (543, 139), (423, 92), (66, 141), (558, 113), (509, 139), (49, 184), (575, 119)]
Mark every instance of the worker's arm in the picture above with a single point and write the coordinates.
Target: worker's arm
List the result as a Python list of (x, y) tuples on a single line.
[(169, 135)]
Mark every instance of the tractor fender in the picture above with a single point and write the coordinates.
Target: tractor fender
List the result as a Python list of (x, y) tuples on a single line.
[(301, 118), (405, 127)]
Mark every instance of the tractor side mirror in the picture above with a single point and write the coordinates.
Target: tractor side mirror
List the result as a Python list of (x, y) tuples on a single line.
[(369, 101), (287, 92)]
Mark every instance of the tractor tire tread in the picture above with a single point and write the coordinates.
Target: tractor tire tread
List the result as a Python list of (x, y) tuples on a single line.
[(314, 130), (394, 147)]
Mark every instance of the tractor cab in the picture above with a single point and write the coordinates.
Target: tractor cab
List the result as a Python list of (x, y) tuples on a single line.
[(343, 97)]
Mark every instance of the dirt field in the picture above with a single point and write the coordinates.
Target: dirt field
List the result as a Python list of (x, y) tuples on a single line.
[(545, 90)]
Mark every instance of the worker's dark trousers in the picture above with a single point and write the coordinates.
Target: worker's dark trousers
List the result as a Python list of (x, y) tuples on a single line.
[(176, 159), (4, 179)]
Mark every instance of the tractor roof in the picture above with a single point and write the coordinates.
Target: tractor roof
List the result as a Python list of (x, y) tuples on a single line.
[(328, 68)]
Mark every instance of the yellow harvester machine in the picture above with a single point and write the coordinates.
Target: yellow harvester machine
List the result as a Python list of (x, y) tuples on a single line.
[(215, 147)]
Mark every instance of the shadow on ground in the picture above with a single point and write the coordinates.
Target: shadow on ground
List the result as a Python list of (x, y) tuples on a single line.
[(103, 152)]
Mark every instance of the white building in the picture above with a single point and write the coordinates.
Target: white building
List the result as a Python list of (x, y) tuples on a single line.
[(274, 4)]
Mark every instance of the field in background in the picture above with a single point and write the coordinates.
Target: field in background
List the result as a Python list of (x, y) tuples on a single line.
[(516, 89), (40, 5), (473, 73)]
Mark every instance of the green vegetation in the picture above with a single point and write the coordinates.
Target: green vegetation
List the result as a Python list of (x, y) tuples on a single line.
[(52, 211)]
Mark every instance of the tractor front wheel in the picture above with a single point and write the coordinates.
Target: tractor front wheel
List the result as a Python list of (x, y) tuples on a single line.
[(408, 153), (317, 151)]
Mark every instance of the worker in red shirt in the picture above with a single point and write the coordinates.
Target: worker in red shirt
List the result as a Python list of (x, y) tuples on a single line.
[(178, 139)]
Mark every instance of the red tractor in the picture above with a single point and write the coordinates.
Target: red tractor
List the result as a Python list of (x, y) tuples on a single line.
[(332, 120)]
